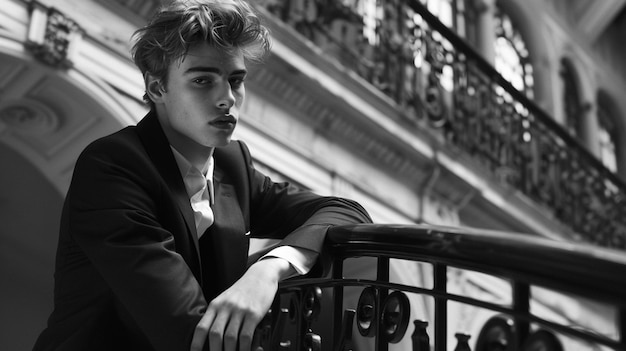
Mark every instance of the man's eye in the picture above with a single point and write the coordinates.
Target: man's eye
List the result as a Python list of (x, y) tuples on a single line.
[(237, 82), (201, 81)]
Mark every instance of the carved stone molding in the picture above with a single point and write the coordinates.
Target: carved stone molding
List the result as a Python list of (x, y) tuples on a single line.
[(28, 117), (328, 119), (52, 36)]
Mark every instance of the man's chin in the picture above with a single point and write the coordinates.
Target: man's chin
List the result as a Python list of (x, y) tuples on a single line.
[(223, 143)]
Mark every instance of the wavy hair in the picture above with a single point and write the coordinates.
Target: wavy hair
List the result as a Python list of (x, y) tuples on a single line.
[(228, 25)]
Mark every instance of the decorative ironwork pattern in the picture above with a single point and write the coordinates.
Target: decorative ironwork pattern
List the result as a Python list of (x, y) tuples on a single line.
[(320, 313), (436, 79), (390, 323)]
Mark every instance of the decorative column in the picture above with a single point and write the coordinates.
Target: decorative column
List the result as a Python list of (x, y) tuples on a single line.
[(485, 28), (589, 127)]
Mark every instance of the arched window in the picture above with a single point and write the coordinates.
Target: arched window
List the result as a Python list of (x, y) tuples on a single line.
[(572, 105), (450, 12), (607, 130), (512, 59), (458, 15)]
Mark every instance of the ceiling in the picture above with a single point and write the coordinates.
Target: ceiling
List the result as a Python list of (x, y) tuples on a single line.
[(593, 17)]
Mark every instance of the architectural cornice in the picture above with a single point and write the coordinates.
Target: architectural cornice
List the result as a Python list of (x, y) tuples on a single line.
[(337, 123)]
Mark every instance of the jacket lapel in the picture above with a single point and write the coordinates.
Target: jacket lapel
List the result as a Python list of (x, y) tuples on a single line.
[(225, 242), (159, 151)]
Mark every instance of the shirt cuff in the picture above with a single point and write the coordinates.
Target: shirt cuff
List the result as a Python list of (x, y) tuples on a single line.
[(302, 260)]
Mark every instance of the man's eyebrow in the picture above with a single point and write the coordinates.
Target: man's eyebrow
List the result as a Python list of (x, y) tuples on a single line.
[(208, 69)]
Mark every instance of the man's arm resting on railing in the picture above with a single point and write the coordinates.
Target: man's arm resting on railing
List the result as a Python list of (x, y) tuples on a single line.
[(231, 318)]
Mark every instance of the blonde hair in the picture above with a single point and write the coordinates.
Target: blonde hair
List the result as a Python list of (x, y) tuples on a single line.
[(228, 25)]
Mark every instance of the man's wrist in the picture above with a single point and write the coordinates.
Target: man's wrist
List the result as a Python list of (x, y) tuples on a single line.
[(272, 267), (301, 260)]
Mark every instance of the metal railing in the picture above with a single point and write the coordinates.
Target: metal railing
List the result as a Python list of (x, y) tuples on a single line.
[(437, 80), (377, 311)]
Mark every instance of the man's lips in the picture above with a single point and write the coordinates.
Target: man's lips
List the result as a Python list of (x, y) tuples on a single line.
[(226, 121)]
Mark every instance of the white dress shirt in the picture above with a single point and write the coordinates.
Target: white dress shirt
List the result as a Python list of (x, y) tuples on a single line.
[(199, 186)]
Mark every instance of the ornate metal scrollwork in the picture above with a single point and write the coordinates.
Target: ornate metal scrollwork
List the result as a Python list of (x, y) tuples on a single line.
[(304, 306), (311, 303), (367, 312), (269, 331), (496, 334), (542, 340), (379, 314), (389, 319), (394, 317)]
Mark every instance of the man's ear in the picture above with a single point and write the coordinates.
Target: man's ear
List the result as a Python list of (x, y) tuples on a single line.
[(154, 87)]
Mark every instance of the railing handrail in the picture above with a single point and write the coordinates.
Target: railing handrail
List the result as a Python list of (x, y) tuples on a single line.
[(584, 270)]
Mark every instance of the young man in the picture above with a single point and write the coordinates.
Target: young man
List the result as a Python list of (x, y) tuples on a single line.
[(156, 224)]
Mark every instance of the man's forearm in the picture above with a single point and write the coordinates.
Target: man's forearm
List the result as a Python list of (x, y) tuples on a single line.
[(301, 260)]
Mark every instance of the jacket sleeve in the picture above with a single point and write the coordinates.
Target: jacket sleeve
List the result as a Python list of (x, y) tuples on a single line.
[(116, 215), (299, 217)]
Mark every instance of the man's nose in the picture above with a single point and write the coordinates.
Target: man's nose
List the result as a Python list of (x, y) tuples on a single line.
[(226, 99)]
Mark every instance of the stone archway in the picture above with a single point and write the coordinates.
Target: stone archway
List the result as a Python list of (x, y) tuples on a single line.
[(47, 116)]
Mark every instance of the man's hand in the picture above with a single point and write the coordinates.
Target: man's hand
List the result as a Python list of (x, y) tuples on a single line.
[(233, 316)]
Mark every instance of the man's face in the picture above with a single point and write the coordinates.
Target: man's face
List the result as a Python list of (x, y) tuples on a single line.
[(203, 96)]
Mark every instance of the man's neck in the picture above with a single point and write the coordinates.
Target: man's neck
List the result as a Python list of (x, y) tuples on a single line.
[(198, 155)]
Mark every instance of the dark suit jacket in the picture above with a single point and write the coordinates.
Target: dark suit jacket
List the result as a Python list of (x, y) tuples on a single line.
[(130, 272)]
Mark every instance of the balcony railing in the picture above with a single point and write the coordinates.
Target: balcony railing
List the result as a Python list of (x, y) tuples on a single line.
[(379, 310), (437, 79)]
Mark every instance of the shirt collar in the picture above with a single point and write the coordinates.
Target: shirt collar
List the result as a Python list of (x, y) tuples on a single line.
[(193, 177)]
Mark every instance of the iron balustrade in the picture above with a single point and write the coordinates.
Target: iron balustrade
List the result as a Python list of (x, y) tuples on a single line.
[(317, 314), (439, 81)]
